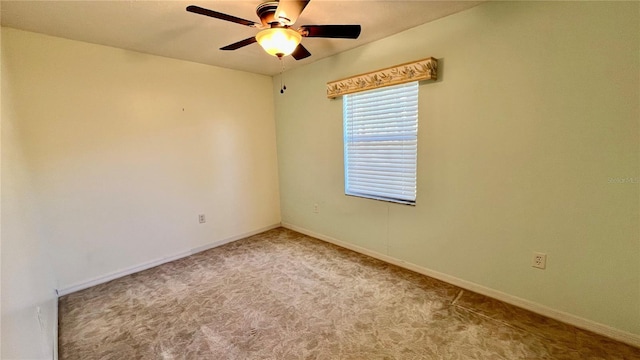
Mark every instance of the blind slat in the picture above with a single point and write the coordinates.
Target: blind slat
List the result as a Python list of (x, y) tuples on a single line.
[(380, 143)]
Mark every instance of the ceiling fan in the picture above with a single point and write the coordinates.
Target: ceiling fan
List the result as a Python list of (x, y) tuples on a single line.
[(277, 36)]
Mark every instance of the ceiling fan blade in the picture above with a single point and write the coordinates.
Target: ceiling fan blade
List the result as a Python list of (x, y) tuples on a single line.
[(239, 44), (331, 31), (289, 10), (219, 15), (300, 52)]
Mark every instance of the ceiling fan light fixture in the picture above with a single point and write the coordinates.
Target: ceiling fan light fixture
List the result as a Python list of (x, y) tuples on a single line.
[(279, 41)]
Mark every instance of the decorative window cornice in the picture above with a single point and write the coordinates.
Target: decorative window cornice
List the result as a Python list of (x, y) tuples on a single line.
[(425, 69)]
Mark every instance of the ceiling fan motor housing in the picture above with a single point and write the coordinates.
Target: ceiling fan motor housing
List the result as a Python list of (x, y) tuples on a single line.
[(266, 12)]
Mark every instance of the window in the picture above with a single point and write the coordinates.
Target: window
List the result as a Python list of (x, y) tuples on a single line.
[(380, 143)]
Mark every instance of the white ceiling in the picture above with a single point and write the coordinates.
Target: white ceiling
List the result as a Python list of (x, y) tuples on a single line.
[(164, 27)]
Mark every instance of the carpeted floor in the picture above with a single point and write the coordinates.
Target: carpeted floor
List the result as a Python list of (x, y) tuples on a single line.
[(284, 295)]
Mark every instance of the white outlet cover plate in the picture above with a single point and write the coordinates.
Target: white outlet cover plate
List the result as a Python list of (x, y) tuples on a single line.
[(539, 260)]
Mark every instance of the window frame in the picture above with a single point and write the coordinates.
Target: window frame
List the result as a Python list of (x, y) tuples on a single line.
[(395, 132)]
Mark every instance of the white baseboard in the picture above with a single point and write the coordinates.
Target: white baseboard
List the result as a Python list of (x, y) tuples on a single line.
[(153, 263), (608, 331)]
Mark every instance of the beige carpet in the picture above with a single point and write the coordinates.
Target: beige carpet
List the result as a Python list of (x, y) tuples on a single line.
[(284, 295)]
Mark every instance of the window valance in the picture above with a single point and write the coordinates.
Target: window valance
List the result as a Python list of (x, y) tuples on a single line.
[(425, 69)]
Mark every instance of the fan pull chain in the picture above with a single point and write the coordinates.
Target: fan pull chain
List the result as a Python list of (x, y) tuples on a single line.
[(283, 87)]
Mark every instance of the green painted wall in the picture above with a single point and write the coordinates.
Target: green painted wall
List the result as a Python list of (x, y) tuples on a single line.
[(524, 143)]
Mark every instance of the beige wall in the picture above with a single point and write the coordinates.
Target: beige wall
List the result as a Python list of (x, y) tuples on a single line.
[(537, 107), (120, 152), (27, 282)]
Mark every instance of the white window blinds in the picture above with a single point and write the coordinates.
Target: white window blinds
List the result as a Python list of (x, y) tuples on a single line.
[(380, 143)]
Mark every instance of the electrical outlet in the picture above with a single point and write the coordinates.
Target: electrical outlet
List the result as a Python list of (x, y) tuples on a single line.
[(315, 208), (202, 219), (539, 260)]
